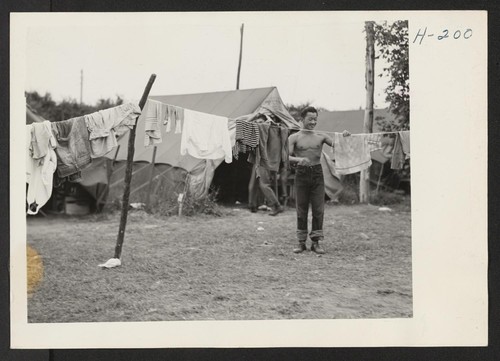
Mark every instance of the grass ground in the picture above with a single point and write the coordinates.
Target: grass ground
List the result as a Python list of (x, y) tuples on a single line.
[(222, 268)]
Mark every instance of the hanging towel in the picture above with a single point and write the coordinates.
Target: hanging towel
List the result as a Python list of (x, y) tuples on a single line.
[(352, 153), (39, 175), (152, 132), (206, 136)]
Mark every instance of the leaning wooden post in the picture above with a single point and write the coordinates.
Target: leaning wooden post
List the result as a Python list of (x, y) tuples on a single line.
[(128, 173), (364, 179)]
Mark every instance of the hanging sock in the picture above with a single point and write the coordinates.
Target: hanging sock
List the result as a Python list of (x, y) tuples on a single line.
[(152, 132), (179, 117), (168, 119)]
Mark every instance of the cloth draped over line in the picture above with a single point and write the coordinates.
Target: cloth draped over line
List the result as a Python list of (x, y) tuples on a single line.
[(206, 136), (68, 146), (272, 150), (401, 149), (352, 153), (41, 167)]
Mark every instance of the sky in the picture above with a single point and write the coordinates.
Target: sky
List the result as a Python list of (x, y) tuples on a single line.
[(310, 58)]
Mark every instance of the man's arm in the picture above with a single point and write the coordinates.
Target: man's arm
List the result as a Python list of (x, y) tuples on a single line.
[(329, 140)]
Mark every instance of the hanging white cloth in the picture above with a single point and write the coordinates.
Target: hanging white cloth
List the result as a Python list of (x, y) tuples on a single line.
[(206, 136)]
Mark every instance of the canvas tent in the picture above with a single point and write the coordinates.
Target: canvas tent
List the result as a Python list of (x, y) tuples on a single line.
[(163, 171)]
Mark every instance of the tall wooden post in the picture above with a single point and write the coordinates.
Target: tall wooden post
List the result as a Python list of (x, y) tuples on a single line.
[(128, 173), (364, 181), (241, 53)]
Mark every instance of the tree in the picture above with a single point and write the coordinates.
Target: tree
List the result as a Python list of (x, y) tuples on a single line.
[(67, 108), (392, 45)]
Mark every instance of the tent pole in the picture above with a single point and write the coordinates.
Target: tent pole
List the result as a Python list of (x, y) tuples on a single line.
[(380, 176), (151, 177), (128, 172)]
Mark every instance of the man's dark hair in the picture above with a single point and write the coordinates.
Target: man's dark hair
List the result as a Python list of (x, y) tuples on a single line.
[(306, 110)]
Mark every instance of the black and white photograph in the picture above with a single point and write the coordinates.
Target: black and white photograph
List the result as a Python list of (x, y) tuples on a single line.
[(227, 167)]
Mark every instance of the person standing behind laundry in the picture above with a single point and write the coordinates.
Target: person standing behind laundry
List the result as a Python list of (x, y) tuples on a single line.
[(305, 149), (271, 152)]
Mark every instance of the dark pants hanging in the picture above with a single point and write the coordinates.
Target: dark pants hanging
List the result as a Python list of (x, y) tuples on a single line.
[(262, 182), (309, 189)]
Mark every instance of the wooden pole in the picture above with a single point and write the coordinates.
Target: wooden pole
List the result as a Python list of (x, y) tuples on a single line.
[(364, 181), (128, 173), (148, 195), (241, 53)]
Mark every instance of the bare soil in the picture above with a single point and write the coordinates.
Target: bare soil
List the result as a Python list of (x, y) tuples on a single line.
[(222, 268)]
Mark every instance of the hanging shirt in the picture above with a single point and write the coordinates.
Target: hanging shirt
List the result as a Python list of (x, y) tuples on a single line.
[(247, 137), (39, 175), (206, 136), (41, 138), (102, 126), (352, 153), (121, 118), (152, 135)]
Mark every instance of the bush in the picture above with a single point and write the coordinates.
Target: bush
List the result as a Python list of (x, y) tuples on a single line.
[(383, 198)]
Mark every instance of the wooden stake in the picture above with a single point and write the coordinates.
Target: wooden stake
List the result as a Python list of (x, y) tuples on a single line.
[(364, 180), (128, 173), (241, 53)]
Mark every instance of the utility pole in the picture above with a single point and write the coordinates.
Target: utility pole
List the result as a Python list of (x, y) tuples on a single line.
[(241, 53), (81, 87), (364, 180)]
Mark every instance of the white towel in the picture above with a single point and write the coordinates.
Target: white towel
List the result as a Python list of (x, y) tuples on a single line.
[(206, 136)]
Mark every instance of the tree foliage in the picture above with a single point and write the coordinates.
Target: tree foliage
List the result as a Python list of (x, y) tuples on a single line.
[(391, 41), (67, 108)]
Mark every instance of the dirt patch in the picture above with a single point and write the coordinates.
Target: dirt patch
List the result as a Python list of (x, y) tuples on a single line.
[(240, 266), (35, 269)]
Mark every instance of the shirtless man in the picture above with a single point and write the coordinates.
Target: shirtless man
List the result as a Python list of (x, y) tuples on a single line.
[(305, 150)]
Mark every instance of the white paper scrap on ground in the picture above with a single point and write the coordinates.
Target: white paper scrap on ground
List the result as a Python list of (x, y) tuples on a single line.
[(110, 263), (386, 209), (260, 228)]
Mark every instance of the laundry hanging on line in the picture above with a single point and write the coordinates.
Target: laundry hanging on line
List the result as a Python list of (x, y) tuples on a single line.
[(159, 114), (206, 136), (68, 147), (401, 149), (353, 153)]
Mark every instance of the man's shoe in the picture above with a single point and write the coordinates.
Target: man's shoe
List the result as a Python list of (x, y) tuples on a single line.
[(276, 209), (315, 247), (253, 209), (301, 248)]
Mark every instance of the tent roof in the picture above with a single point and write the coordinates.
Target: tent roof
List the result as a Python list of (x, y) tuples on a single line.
[(350, 120), (230, 104)]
